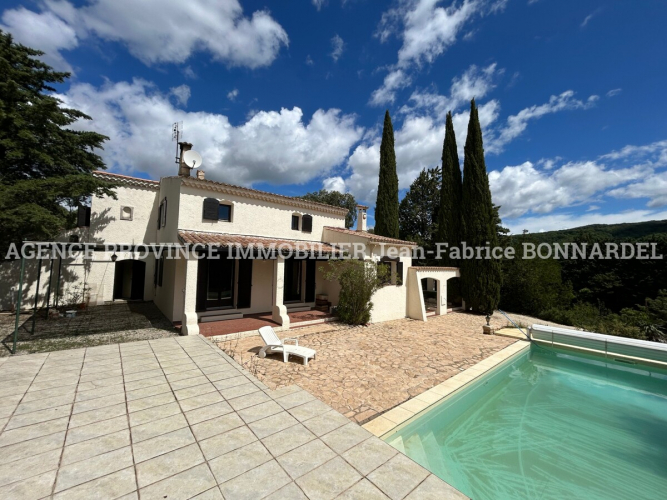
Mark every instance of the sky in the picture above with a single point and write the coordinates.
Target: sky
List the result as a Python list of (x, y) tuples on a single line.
[(289, 96)]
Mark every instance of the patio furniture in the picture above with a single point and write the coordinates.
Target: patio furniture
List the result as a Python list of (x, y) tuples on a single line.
[(274, 344)]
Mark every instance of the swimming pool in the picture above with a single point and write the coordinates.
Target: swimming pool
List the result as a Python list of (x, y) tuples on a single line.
[(549, 424)]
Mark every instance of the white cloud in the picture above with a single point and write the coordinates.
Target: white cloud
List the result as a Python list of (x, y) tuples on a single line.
[(337, 47), (653, 187), (517, 124), (278, 147), (181, 93), (655, 152), (233, 94), (395, 80), (589, 17), (334, 184), (44, 31), (427, 30), (523, 188), (614, 92), (309, 60), (570, 220), (157, 31), (474, 82), (319, 4)]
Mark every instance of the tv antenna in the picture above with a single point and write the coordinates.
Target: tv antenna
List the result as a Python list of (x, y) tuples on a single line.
[(192, 159), (176, 135)]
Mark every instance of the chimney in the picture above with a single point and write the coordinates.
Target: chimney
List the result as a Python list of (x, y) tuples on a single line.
[(200, 175), (183, 169), (361, 217)]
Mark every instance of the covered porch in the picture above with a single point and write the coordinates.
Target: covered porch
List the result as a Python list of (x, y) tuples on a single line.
[(270, 282), (250, 323)]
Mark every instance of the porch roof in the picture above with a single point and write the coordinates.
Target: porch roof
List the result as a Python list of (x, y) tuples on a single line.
[(245, 241), (373, 238)]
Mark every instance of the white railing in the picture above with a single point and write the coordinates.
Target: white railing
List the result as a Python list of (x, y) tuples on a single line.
[(608, 344)]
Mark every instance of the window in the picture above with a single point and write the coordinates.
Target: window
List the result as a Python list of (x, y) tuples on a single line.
[(162, 214), (126, 213), (214, 210), (295, 222), (394, 268), (83, 216), (225, 212), (307, 224)]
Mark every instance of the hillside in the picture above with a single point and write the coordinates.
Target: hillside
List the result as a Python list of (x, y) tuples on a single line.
[(632, 230)]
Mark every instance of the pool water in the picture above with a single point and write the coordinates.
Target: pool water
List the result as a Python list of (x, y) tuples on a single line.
[(549, 424)]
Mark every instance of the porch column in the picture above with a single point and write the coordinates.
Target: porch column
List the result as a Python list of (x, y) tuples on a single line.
[(189, 324), (442, 296), (279, 312)]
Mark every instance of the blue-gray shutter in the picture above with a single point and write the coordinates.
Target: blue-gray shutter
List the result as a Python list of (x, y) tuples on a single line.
[(210, 209)]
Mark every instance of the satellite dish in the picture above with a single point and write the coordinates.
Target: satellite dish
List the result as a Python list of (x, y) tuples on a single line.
[(192, 159)]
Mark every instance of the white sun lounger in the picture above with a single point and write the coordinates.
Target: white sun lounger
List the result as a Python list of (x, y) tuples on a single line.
[(274, 344)]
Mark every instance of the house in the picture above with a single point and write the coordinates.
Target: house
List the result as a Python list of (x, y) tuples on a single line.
[(196, 287)]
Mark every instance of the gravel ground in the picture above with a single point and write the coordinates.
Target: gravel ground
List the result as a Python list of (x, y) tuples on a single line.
[(101, 325)]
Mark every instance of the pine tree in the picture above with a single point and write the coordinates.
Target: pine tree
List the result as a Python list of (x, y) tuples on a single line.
[(480, 278), (386, 206), (419, 209), (449, 217), (45, 166)]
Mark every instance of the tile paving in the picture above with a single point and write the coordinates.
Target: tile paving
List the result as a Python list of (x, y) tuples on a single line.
[(364, 371), (176, 419)]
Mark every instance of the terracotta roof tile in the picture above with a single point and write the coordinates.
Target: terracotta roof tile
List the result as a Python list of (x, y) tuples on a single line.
[(126, 179), (374, 238), (245, 241)]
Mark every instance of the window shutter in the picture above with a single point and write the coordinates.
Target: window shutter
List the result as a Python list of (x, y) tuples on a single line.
[(160, 271), (164, 213), (159, 217), (307, 224), (210, 209), (399, 273), (83, 216)]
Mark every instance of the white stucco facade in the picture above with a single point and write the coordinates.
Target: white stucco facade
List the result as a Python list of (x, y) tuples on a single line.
[(169, 210)]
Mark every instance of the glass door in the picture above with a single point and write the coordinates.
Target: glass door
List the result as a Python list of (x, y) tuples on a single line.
[(220, 286), (293, 269)]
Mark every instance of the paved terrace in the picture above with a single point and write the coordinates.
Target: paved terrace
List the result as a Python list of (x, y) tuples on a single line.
[(175, 419), (364, 371)]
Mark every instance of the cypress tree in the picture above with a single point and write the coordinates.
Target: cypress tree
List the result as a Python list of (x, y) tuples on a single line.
[(449, 216), (386, 206), (480, 278)]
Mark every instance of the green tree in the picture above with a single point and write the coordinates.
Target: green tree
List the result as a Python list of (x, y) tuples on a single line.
[(532, 286), (45, 167), (337, 199), (449, 216), (480, 278), (418, 210), (386, 206), (358, 280)]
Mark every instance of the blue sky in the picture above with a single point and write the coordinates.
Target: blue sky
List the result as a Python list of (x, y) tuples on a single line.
[(289, 96)]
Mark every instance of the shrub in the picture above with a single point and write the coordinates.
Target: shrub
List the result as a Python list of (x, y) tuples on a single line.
[(358, 280)]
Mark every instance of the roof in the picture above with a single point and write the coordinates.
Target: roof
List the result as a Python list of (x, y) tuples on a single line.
[(227, 188), (245, 241), (373, 238), (126, 179), (434, 268), (263, 195)]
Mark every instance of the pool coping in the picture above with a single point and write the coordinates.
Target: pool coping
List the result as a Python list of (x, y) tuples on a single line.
[(389, 421)]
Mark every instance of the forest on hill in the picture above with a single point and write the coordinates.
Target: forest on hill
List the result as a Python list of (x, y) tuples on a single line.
[(612, 296)]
